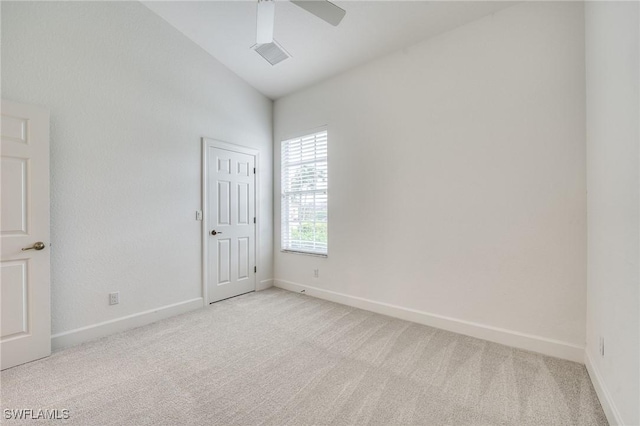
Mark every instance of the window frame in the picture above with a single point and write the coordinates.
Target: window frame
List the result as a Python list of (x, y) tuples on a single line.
[(284, 215)]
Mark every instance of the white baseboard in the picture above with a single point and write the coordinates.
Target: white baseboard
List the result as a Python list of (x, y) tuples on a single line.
[(96, 331), (608, 406), (264, 284), (503, 336)]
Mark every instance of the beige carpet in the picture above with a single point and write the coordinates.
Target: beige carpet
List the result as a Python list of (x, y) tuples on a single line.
[(278, 358)]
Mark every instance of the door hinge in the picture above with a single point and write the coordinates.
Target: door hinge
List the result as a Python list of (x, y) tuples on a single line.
[(254, 170), (254, 220), (255, 269)]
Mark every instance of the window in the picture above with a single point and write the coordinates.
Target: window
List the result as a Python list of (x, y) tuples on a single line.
[(304, 194)]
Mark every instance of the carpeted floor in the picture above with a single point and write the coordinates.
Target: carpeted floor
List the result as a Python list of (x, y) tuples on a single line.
[(278, 358)]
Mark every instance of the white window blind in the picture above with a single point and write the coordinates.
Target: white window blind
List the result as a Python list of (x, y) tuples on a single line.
[(304, 194)]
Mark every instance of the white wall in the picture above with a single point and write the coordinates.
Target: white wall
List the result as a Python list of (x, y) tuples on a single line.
[(130, 98), (613, 138), (457, 177)]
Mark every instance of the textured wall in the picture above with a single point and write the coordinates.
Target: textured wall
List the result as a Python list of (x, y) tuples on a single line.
[(457, 175), (130, 98), (613, 173)]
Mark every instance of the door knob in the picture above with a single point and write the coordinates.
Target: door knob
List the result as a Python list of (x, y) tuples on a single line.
[(37, 246), (214, 232)]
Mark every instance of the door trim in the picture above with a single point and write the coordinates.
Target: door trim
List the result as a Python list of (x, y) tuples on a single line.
[(214, 143)]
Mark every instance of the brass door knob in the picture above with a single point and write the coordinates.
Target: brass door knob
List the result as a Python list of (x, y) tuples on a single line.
[(215, 233), (37, 246)]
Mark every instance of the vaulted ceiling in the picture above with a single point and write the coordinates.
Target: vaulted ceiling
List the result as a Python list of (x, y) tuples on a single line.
[(370, 29)]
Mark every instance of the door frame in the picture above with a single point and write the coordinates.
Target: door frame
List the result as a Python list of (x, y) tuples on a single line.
[(215, 143)]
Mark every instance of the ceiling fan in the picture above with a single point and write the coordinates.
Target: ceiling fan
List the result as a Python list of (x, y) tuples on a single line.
[(323, 9)]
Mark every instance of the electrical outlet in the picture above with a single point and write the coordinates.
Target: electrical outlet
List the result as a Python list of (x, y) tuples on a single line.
[(114, 298), (602, 346), (316, 273)]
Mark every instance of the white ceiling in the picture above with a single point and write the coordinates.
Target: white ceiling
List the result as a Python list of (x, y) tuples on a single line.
[(370, 29)]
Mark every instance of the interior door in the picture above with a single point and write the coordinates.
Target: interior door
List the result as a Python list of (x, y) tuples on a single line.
[(25, 318), (231, 222)]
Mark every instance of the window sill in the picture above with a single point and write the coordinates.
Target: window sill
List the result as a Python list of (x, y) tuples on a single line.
[(304, 253)]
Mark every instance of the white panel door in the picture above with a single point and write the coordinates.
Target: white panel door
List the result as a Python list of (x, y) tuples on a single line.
[(25, 316), (231, 223)]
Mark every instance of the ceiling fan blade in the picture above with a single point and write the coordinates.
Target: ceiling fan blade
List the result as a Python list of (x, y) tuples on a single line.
[(266, 15), (323, 9)]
